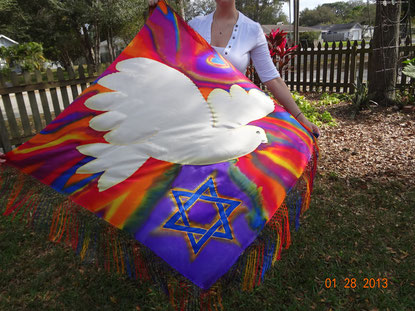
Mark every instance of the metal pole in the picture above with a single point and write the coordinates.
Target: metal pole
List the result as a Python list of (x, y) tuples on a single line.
[(296, 21)]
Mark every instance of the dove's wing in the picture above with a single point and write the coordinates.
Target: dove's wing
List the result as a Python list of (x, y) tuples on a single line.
[(168, 119), (239, 107), (141, 105)]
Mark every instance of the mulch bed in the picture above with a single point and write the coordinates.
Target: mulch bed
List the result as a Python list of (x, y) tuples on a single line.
[(377, 145)]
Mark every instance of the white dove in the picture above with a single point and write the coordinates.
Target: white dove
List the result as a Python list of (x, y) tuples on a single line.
[(157, 111)]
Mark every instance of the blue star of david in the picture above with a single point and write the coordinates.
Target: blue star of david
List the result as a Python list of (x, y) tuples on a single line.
[(193, 197)]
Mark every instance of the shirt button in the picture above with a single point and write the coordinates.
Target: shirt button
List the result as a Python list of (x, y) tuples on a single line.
[(233, 37), (226, 53), (236, 25), (230, 46)]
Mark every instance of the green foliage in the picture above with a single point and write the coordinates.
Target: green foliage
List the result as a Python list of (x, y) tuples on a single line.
[(311, 112), (406, 97), (28, 56), (328, 99), (198, 7), (262, 11), (409, 69), (308, 37), (70, 29), (361, 98), (340, 12)]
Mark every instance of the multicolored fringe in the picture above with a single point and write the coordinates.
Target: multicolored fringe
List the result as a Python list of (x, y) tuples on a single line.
[(24, 198)]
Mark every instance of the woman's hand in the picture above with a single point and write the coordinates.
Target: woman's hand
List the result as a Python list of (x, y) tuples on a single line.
[(314, 128), (283, 95), (152, 2)]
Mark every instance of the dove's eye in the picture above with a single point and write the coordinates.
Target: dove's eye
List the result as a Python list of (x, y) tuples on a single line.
[(258, 132)]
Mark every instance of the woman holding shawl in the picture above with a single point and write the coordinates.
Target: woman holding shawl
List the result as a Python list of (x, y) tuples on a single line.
[(239, 39)]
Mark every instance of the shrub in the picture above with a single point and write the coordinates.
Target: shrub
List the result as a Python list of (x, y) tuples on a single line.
[(28, 56), (307, 38), (277, 44), (312, 113)]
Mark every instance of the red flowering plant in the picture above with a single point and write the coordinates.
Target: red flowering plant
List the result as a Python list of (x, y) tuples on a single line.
[(280, 52)]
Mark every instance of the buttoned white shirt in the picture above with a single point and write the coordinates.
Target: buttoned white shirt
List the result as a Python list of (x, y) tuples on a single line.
[(247, 41)]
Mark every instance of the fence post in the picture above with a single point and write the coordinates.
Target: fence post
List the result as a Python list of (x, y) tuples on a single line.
[(11, 118), (53, 94), (44, 100), (332, 61), (63, 89), (81, 72), (4, 135), (353, 67), (312, 54), (361, 60), (339, 67), (298, 68), (24, 119), (305, 67), (346, 67), (318, 69), (33, 103), (74, 88), (292, 71), (325, 64)]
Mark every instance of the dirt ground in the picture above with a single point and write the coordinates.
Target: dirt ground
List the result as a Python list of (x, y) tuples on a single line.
[(378, 144)]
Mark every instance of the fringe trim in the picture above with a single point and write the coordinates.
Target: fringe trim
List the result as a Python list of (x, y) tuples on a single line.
[(25, 199)]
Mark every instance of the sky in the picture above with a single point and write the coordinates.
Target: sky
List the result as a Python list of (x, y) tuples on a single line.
[(310, 4)]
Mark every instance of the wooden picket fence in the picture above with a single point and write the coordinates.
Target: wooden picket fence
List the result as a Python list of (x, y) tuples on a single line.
[(336, 68), (29, 102)]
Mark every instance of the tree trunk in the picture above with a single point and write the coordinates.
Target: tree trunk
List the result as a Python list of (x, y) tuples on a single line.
[(110, 45), (383, 69), (65, 59), (97, 41), (181, 6), (88, 46), (256, 17)]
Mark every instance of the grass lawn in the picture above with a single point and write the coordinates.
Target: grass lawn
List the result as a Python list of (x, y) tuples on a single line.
[(360, 225)]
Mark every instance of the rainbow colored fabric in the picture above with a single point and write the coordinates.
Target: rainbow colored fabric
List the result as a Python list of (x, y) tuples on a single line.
[(197, 218)]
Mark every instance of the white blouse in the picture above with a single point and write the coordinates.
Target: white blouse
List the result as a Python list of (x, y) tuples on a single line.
[(247, 41)]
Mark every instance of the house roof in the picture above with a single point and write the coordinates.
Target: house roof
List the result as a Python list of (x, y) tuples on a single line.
[(287, 28), (345, 26), (337, 27), (8, 39), (115, 41)]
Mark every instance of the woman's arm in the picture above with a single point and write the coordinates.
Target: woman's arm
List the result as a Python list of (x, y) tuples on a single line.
[(282, 94)]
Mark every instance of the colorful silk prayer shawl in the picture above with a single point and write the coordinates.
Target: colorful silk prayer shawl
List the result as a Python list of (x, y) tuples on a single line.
[(174, 146)]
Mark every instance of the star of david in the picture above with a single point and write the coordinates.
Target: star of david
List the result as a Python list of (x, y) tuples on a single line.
[(192, 231)]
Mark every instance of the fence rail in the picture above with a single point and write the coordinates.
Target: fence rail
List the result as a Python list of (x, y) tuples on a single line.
[(338, 67), (343, 65), (29, 102)]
